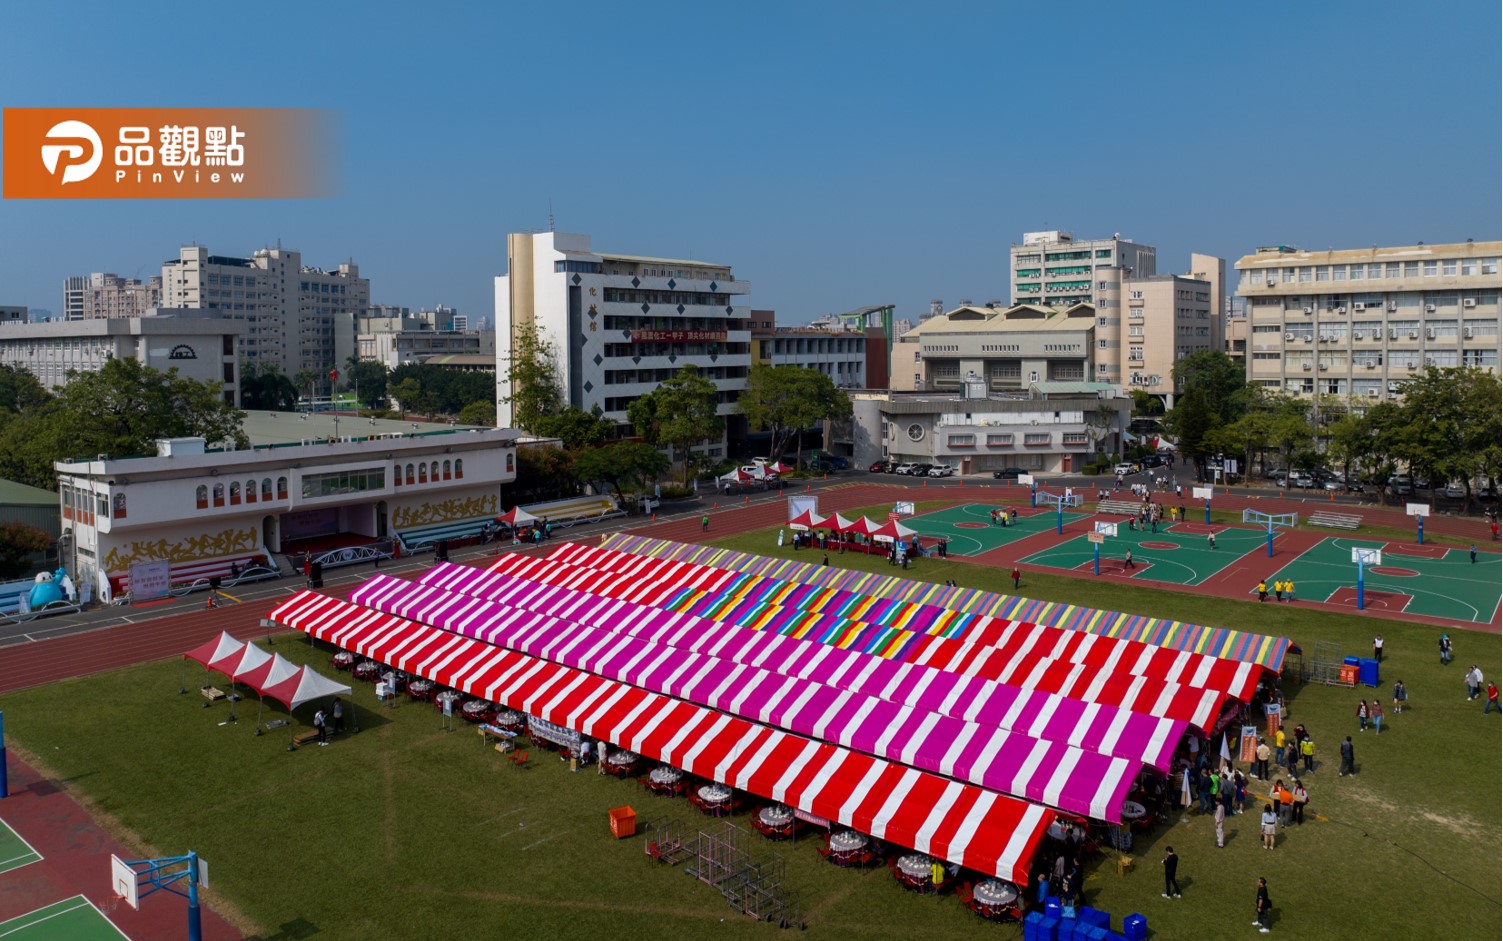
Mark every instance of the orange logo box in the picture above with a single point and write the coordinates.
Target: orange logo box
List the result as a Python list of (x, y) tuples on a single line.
[(166, 153)]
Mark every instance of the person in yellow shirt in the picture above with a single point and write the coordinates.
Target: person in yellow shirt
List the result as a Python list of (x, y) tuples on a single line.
[(1278, 746), (1288, 589), (1262, 591)]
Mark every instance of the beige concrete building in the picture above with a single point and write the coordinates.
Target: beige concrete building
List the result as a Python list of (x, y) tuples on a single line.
[(1168, 317), (1006, 349), (102, 294), (288, 307), (1356, 323)]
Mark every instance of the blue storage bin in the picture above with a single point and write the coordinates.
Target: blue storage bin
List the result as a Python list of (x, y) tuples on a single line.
[(1067, 929), (1367, 672), (1048, 928), (1031, 925), (1352, 661), (1051, 907), (1093, 916), (1094, 933), (1135, 927)]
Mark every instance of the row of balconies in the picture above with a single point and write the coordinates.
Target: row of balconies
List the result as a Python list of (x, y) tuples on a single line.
[(1375, 335)]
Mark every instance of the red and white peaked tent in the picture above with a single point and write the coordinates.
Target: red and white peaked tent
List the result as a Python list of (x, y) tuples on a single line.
[(242, 663), (837, 522), (271, 671), (303, 686), (215, 650), (516, 516), (778, 467), (892, 530), (807, 520), (861, 526)]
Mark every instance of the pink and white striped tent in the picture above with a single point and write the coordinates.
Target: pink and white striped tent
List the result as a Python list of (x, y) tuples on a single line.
[(968, 825)]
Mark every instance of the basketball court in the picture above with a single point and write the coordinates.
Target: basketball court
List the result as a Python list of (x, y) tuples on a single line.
[(971, 531), (14, 851), (1433, 581), (1179, 553), (74, 919)]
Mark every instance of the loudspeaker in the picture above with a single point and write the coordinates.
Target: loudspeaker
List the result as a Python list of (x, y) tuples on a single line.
[(441, 550), (316, 576)]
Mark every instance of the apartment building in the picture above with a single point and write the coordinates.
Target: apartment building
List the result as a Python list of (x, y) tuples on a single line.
[(104, 294), (398, 336), (1168, 318), (1009, 349), (1358, 322), (14, 314), (622, 323), (288, 308)]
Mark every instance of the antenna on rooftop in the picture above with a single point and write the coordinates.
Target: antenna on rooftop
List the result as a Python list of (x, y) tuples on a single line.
[(550, 214)]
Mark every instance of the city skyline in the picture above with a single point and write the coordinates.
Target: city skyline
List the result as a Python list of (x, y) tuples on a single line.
[(835, 160)]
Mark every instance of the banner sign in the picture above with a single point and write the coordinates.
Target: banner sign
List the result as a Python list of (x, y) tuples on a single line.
[(150, 580), (678, 336)]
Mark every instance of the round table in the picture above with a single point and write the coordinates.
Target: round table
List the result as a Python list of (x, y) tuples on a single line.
[(508, 718), (1056, 831), (450, 696), (916, 865), (1132, 810), (776, 816), (847, 841), (344, 660), (995, 893), (665, 775), (420, 689), (715, 793), (366, 670), (622, 758), (475, 710)]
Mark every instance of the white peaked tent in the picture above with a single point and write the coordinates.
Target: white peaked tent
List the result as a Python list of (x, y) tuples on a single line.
[(248, 660), (210, 654), (516, 518), (303, 686)]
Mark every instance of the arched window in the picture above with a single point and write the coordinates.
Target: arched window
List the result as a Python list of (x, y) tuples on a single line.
[(396, 475), (448, 470), (433, 471), (250, 491), (234, 493), (219, 494), (266, 488), (281, 488), (422, 473), (459, 468), (202, 495), (119, 506), (510, 457), (410, 479)]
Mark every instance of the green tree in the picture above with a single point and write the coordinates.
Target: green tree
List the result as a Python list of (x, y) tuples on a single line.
[(20, 390), (18, 543), (1145, 404), (478, 413), (576, 428), (308, 382), (787, 399), (532, 368), (1448, 424), (1215, 374), (623, 465), (1190, 421), (369, 377), (681, 413), (263, 386), (407, 392), (544, 472)]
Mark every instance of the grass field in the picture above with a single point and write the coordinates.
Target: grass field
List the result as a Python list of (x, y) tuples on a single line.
[(408, 831)]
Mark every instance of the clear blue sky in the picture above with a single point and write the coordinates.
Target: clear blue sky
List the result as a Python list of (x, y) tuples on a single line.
[(836, 154)]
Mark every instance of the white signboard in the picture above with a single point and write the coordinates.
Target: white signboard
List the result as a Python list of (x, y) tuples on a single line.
[(1417, 509), (203, 872), (1025, 479), (1229, 465), (903, 509), (1202, 493), (797, 506), (150, 580)]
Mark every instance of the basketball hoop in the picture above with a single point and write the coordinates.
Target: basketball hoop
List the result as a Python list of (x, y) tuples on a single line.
[(111, 903)]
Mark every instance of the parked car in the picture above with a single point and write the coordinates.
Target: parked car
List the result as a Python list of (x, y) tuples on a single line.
[(1333, 484), (1302, 479), (1401, 484), (941, 470), (1008, 473), (840, 463), (1126, 468), (1280, 478), (881, 467), (1157, 460), (1455, 491), (904, 468), (922, 470)]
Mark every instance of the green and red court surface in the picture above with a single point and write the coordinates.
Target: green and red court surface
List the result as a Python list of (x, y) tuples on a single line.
[(1180, 554), (14, 851), (74, 919)]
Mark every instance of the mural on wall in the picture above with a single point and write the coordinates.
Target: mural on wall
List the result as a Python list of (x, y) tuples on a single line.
[(446, 512), (191, 549)]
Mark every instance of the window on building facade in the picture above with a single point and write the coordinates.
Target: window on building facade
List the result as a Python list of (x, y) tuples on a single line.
[(202, 497), (281, 488), (266, 488), (235, 493), (219, 494)]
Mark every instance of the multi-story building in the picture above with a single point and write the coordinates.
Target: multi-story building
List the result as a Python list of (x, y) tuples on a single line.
[(103, 294), (288, 307), (622, 323), (1168, 318), (1052, 428), (1008, 349), (14, 315), (1357, 323), (197, 345), (396, 336)]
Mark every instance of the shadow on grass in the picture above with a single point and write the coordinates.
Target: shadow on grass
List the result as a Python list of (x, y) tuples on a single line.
[(291, 931)]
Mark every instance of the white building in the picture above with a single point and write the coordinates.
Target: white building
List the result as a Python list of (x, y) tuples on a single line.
[(622, 323), (104, 294), (395, 336), (1359, 322), (198, 346), (14, 314), (288, 307), (193, 507)]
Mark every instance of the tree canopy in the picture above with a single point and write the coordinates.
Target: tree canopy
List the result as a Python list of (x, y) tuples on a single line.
[(532, 368), (575, 427), (265, 387), (787, 399), (680, 412), (623, 465)]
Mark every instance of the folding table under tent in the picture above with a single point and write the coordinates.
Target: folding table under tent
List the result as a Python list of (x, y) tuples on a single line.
[(305, 686), (961, 823), (269, 672)]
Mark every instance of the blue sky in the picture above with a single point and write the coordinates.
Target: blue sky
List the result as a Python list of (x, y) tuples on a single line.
[(836, 154)]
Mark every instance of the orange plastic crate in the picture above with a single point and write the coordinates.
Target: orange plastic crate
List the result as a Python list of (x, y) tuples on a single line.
[(623, 822)]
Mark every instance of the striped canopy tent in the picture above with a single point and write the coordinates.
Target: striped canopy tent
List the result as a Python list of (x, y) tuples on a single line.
[(736, 476), (1258, 649), (248, 659), (302, 687), (517, 517), (1011, 762), (778, 467), (861, 526), (892, 530), (1014, 656), (807, 520), (961, 823), (836, 523), (1109, 730), (208, 653)]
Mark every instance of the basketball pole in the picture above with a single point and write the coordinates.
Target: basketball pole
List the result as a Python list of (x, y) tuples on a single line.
[(1208, 516), (1270, 539), (1419, 528), (1096, 562), (1360, 597), (4, 764)]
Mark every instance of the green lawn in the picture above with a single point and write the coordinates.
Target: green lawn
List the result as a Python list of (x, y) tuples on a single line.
[(408, 831)]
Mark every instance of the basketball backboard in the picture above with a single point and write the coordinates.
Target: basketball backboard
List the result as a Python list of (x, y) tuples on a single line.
[(123, 881), (1202, 493), (1417, 509), (1106, 529), (1362, 556)]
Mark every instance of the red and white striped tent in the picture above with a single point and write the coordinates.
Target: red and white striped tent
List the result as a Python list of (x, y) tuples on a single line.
[(807, 520)]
